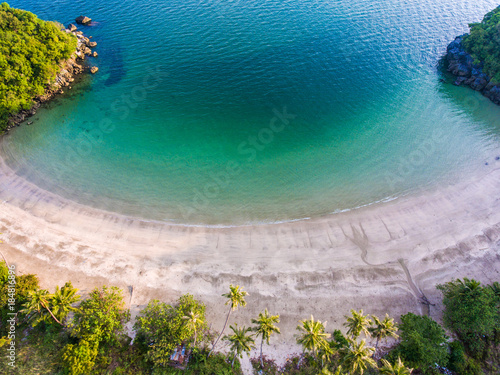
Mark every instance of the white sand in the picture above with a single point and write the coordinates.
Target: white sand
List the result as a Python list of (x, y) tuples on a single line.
[(382, 258)]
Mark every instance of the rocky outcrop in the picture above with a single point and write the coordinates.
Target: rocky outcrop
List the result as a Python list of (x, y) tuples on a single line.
[(467, 73), (83, 20), (66, 76), (71, 27)]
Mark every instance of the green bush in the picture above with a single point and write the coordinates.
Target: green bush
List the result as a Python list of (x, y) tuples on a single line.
[(483, 43), (471, 312), (30, 51), (423, 343)]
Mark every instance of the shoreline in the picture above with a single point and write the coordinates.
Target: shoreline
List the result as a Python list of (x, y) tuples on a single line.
[(71, 69), (387, 257)]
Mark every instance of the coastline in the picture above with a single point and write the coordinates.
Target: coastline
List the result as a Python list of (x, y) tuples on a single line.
[(387, 257), (70, 69)]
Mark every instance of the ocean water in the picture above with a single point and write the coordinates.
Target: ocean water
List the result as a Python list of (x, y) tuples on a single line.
[(234, 112)]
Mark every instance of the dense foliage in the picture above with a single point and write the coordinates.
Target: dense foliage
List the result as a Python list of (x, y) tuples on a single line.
[(423, 343), (483, 43), (471, 312), (161, 328), (88, 337), (30, 51)]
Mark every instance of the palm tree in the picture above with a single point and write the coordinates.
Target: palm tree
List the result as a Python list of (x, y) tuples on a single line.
[(357, 323), (38, 300), (240, 341), (63, 299), (383, 329), (193, 321), (397, 369), (313, 336), (236, 297), (356, 357), (265, 328)]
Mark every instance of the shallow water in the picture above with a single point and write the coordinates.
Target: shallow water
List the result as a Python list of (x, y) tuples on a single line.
[(230, 112)]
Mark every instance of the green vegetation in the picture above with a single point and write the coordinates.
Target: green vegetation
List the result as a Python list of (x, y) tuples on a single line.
[(30, 51), (57, 333), (471, 313), (483, 43), (423, 343)]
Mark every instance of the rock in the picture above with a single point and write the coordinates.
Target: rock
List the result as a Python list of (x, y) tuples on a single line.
[(87, 51), (94, 69), (83, 20), (94, 54), (71, 27), (92, 44)]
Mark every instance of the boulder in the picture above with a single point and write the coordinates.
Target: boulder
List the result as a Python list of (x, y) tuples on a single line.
[(92, 44), (83, 20), (71, 27), (94, 54), (87, 51), (94, 69)]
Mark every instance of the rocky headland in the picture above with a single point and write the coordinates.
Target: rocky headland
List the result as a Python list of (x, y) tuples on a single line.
[(70, 68), (461, 64)]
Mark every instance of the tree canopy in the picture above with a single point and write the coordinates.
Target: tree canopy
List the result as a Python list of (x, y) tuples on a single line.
[(483, 43), (30, 51)]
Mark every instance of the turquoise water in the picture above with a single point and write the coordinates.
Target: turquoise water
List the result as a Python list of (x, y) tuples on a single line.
[(231, 112)]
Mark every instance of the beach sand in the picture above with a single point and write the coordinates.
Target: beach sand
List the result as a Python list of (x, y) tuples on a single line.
[(384, 258)]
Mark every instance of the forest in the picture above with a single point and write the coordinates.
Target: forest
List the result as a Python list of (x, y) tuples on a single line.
[(483, 43), (30, 53)]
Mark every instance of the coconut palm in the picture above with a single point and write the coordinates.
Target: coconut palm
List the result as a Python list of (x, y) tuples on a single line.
[(235, 298), (265, 327), (38, 302), (62, 301), (397, 369), (357, 323), (357, 357), (193, 321), (313, 336), (240, 341), (382, 329)]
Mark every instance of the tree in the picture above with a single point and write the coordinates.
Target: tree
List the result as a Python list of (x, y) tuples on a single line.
[(101, 316), (382, 329), (357, 357), (161, 327), (397, 369), (357, 323), (193, 322), (96, 326), (37, 306), (423, 342), (265, 327), (240, 341), (80, 358), (312, 335), (62, 301), (235, 298), (471, 312)]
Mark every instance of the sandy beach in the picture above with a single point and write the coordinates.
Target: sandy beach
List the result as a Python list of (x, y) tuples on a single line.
[(384, 258)]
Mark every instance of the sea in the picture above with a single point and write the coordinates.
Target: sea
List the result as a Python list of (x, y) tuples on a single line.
[(239, 112)]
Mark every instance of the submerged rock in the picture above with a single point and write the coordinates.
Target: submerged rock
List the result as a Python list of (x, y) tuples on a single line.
[(94, 69), (83, 20)]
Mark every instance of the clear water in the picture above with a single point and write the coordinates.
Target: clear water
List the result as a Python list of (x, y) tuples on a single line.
[(231, 112)]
